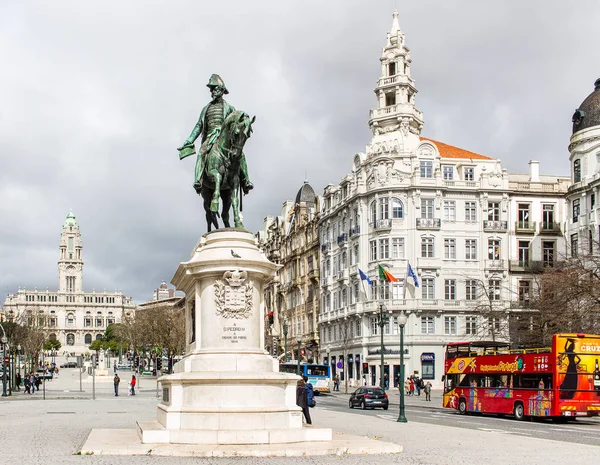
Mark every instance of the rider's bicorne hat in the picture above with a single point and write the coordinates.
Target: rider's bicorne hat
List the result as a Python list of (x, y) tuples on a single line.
[(215, 80)]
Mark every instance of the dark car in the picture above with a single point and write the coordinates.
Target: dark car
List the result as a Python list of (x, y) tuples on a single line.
[(69, 365), (369, 397)]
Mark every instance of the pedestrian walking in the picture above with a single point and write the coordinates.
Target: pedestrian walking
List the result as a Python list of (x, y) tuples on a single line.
[(412, 386), (386, 380), (132, 384), (427, 390), (27, 385), (115, 367), (302, 400), (407, 386), (418, 382), (18, 381), (336, 383), (116, 381), (310, 393), (32, 382)]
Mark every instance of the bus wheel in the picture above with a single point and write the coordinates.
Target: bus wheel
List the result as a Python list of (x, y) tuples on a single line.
[(462, 406), (519, 411)]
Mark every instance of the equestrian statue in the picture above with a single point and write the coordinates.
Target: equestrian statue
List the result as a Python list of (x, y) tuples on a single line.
[(221, 171)]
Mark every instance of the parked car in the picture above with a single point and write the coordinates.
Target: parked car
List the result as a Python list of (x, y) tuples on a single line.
[(369, 397), (69, 365), (42, 374)]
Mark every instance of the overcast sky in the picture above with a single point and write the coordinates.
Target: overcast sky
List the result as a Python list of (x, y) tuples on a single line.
[(96, 96)]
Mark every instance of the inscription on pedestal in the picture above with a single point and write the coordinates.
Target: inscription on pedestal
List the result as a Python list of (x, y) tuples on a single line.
[(234, 334), (233, 295)]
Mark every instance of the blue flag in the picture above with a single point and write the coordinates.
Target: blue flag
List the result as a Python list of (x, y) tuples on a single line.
[(364, 277), (413, 275)]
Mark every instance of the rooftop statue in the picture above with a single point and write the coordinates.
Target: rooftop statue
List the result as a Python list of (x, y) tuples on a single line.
[(221, 168)]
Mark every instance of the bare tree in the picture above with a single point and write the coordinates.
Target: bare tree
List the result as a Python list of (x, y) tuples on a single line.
[(566, 299), (490, 310)]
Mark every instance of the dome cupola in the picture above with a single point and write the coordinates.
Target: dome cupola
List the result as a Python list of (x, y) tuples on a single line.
[(588, 113)]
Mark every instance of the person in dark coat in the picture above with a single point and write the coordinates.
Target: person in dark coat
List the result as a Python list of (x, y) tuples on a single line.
[(18, 381), (302, 400), (310, 393)]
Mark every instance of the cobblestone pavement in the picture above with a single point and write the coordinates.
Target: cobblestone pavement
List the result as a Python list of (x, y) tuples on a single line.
[(52, 431)]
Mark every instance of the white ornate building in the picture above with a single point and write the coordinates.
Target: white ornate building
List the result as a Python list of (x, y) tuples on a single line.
[(583, 225), (474, 234), (70, 314)]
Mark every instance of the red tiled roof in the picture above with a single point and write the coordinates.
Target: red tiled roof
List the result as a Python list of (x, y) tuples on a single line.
[(449, 151)]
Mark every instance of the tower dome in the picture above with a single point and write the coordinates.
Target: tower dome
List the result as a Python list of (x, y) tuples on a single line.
[(588, 113), (305, 194), (70, 221)]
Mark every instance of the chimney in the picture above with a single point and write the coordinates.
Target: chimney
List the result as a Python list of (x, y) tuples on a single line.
[(534, 171)]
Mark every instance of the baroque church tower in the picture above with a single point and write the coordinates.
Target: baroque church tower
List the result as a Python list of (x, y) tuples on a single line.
[(70, 264), (396, 123)]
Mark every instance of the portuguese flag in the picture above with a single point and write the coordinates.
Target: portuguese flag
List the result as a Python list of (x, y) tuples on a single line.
[(386, 276)]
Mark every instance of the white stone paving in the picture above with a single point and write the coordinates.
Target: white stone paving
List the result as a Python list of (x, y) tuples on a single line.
[(50, 432)]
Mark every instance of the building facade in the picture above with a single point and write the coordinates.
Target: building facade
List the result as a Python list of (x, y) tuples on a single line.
[(292, 296), (69, 314), (583, 224), (473, 234)]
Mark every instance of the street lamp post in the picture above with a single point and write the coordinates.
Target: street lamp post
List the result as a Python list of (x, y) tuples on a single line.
[(382, 320), (4, 367), (285, 333), (402, 319), (299, 344)]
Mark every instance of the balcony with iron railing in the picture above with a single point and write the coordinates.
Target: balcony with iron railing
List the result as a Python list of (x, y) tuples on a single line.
[(529, 266), (525, 227), (342, 239), (495, 264), (382, 224), (499, 226), (429, 223), (550, 228), (326, 247), (354, 231)]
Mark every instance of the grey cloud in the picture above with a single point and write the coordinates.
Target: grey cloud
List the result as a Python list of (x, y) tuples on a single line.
[(95, 97)]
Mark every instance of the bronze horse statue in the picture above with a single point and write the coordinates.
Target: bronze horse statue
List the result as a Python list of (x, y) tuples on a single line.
[(221, 177)]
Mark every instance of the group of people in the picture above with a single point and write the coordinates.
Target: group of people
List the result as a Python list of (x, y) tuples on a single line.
[(305, 398), (31, 382), (132, 383), (415, 384)]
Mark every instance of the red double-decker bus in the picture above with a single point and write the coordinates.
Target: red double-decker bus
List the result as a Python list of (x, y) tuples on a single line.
[(562, 381)]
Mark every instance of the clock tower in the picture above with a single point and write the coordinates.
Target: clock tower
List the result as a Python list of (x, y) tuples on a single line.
[(70, 264)]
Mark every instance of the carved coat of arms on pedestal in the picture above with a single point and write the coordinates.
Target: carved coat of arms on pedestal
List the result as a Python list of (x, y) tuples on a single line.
[(233, 295)]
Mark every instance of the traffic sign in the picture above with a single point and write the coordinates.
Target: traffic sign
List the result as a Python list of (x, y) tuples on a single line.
[(340, 365)]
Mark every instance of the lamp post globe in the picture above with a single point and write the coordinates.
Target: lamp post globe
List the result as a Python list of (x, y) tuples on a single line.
[(402, 320)]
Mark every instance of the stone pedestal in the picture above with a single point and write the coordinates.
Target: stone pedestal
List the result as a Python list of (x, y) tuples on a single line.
[(227, 389)]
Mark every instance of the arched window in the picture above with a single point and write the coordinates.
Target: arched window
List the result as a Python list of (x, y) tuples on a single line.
[(397, 208), (88, 338), (70, 320), (373, 211), (70, 339), (98, 337)]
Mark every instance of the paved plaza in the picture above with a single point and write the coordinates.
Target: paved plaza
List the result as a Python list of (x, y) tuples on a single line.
[(35, 431)]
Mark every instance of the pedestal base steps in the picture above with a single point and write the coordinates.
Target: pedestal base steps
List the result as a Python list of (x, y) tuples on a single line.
[(127, 442)]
